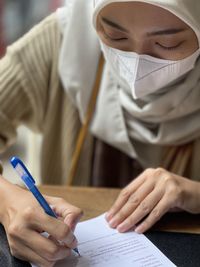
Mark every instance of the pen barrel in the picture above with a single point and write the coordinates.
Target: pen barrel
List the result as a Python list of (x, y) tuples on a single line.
[(42, 201)]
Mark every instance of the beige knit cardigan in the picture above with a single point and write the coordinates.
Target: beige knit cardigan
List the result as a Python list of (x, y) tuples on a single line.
[(31, 93)]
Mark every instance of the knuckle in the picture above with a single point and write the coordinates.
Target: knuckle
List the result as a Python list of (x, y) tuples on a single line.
[(14, 230), (29, 213), (169, 179), (156, 214), (125, 193), (114, 208), (159, 171), (149, 171), (134, 200), (144, 207)]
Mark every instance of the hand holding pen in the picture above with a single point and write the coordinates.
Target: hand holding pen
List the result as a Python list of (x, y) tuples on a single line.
[(24, 220), (29, 182)]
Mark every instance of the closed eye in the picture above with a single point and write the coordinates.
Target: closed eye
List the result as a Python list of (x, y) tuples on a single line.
[(170, 47), (114, 39)]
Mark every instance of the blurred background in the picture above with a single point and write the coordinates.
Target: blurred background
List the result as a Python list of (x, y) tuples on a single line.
[(16, 18)]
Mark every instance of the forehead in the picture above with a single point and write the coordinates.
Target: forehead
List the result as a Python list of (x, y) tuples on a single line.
[(141, 14)]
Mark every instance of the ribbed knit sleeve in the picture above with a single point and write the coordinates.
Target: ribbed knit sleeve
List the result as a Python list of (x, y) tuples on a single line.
[(24, 77)]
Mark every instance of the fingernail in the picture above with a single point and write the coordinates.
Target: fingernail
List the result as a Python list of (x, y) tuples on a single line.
[(109, 216), (113, 223), (122, 227), (139, 229)]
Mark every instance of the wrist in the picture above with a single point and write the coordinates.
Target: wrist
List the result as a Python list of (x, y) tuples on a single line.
[(5, 192), (191, 199)]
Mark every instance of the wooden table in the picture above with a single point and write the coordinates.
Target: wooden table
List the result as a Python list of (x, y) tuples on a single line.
[(95, 201)]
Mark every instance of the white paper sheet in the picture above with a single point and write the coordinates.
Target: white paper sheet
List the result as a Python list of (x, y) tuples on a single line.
[(101, 246)]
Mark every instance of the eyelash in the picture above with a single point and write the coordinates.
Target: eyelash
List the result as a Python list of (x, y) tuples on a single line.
[(161, 46), (114, 40), (169, 48)]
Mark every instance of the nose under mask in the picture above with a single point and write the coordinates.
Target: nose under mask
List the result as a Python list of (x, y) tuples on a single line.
[(145, 74)]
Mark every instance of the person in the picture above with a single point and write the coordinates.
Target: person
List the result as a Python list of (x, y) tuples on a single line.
[(148, 104)]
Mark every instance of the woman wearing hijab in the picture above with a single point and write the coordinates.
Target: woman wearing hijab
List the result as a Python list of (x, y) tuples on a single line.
[(147, 108)]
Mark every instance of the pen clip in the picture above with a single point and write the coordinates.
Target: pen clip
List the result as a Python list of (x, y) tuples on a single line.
[(22, 172)]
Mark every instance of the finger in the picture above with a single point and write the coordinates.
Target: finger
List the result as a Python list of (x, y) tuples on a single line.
[(70, 214), (162, 207), (145, 207), (48, 248), (60, 231), (133, 202), (40, 221), (26, 254), (71, 220), (124, 196)]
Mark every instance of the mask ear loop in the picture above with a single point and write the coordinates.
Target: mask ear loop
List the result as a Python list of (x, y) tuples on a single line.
[(135, 78), (84, 129)]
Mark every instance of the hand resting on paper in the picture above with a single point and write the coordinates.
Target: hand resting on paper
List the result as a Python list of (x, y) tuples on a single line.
[(146, 199), (24, 221)]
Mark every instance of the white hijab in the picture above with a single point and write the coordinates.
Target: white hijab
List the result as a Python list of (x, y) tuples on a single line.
[(162, 119)]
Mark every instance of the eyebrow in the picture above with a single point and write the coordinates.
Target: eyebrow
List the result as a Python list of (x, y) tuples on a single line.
[(155, 33), (113, 24), (167, 32)]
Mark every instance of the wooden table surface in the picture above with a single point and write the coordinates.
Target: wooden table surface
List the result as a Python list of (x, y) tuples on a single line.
[(95, 201)]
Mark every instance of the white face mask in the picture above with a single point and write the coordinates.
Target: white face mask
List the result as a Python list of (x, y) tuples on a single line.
[(145, 74)]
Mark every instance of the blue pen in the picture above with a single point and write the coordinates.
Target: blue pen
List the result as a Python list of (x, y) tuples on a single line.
[(27, 178)]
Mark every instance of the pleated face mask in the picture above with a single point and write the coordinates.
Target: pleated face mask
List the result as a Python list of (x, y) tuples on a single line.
[(145, 74)]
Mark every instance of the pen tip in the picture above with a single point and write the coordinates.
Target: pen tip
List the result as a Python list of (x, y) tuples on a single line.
[(76, 250)]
